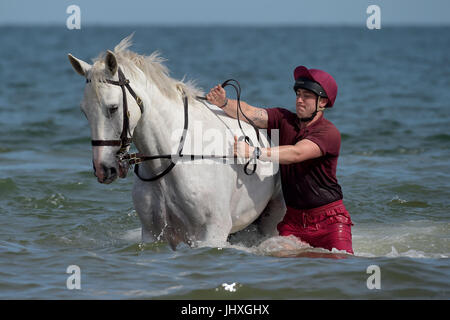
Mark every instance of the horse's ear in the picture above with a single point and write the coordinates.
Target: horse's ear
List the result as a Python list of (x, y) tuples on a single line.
[(111, 62), (79, 66)]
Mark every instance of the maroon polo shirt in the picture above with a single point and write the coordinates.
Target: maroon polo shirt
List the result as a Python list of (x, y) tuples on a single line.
[(311, 183)]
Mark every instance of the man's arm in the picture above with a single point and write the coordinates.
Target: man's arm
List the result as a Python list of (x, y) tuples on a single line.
[(289, 154), (301, 151), (217, 96)]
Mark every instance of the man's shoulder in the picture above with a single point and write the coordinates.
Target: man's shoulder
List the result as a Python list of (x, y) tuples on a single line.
[(279, 113), (326, 136), (326, 131), (278, 117), (329, 126)]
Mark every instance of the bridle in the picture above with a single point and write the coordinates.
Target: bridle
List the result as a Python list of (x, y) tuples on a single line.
[(136, 158), (124, 141)]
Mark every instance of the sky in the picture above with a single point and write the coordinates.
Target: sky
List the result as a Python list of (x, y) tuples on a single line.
[(227, 12)]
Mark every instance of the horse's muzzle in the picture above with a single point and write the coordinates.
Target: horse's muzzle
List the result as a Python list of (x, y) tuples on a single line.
[(105, 174)]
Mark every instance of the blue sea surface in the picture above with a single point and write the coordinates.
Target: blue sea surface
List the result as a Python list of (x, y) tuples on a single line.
[(393, 112)]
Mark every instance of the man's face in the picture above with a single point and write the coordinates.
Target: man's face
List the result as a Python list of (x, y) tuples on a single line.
[(305, 103)]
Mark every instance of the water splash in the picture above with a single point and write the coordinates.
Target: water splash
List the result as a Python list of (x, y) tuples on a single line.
[(229, 287)]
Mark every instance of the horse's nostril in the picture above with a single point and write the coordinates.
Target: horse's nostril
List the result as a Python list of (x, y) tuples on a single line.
[(109, 171)]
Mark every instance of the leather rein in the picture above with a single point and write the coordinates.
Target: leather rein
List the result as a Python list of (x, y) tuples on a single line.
[(136, 158)]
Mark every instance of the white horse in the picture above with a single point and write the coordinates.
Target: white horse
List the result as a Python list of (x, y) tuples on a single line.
[(198, 202)]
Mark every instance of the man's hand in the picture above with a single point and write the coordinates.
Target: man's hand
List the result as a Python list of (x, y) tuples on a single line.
[(242, 149), (217, 96)]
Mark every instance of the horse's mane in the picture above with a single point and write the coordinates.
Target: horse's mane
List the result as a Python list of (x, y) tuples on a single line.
[(151, 65)]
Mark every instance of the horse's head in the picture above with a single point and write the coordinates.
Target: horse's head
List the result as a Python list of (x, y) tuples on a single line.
[(111, 117)]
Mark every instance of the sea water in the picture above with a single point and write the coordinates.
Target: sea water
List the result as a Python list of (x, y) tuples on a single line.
[(392, 110)]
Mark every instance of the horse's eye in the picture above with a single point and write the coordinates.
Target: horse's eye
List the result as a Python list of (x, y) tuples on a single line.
[(113, 108)]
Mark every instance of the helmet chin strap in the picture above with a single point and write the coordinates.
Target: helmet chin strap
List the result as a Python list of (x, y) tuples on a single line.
[(314, 113)]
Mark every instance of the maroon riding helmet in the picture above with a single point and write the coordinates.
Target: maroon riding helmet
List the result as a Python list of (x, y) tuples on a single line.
[(317, 81)]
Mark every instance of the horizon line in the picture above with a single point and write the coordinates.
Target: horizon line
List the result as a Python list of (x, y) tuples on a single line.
[(218, 24)]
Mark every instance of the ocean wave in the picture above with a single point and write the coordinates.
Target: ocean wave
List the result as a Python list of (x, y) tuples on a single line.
[(7, 185), (414, 239), (411, 253), (391, 152), (442, 137), (396, 201)]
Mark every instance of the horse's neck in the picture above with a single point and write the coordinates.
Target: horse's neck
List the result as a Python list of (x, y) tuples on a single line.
[(161, 125)]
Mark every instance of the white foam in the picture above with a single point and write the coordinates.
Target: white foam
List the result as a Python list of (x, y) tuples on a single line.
[(279, 245), (133, 235), (413, 239), (229, 287), (411, 253)]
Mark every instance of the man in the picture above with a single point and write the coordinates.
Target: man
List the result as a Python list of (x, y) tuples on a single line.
[(307, 153)]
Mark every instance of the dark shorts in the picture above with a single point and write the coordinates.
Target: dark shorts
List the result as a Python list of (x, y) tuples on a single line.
[(327, 227)]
